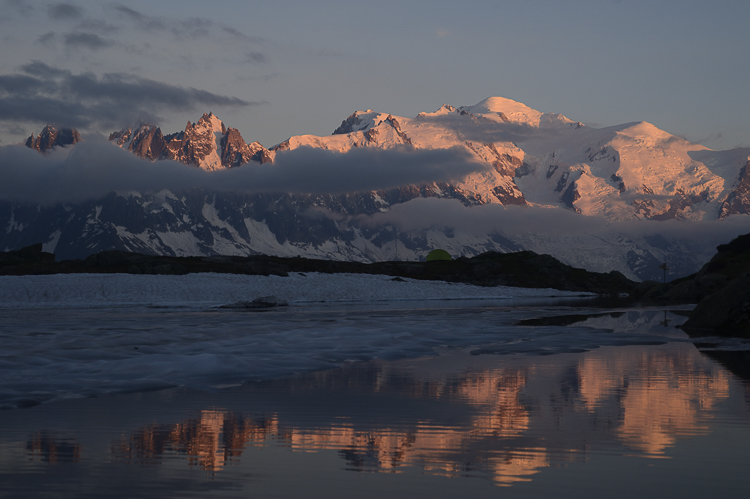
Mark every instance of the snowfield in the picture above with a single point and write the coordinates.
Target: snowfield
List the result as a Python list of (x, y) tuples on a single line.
[(210, 289)]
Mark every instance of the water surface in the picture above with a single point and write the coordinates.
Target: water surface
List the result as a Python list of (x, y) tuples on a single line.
[(617, 403)]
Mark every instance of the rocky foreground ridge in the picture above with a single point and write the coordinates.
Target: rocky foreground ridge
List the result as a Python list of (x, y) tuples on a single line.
[(521, 269), (721, 289)]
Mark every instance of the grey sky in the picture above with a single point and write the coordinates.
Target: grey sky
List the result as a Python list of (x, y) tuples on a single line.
[(680, 64)]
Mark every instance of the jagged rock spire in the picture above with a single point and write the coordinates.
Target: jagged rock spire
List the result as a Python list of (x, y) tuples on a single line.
[(52, 137)]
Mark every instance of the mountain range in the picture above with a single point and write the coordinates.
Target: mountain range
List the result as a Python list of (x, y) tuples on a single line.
[(629, 175)]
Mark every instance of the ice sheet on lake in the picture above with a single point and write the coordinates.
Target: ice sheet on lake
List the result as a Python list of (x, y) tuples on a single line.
[(89, 334), (52, 353), (213, 289)]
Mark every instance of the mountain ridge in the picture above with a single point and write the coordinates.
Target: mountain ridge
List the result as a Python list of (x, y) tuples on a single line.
[(543, 159), (549, 167)]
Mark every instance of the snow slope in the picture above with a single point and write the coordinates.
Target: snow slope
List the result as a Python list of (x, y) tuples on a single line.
[(209, 289), (624, 172)]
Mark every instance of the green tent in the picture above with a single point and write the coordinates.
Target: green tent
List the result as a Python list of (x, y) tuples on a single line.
[(437, 255)]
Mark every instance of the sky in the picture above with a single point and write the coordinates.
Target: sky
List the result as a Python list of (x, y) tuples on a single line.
[(283, 68)]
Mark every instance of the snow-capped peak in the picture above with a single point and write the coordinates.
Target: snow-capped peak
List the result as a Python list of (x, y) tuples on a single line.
[(359, 121), (211, 122), (495, 108), (501, 109)]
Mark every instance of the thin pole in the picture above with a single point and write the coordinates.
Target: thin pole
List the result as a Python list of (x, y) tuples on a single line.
[(664, 267)]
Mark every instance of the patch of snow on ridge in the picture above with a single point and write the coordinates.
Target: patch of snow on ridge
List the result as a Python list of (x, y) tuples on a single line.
[(212, 126), (208, 289), (49, 246)]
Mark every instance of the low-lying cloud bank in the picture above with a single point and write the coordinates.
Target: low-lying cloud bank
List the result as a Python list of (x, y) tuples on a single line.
[(590, 242), (450, 214), (95, 167)]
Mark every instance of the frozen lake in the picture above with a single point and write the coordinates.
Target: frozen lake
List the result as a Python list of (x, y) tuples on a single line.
[(140, 386)]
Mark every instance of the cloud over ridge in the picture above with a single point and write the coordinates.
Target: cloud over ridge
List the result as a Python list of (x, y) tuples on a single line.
[(95, 167)]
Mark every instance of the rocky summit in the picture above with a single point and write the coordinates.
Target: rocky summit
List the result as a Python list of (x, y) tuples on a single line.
[(207, 144), (51, 137)]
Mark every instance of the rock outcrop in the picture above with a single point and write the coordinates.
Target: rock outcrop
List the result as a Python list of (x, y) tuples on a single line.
[(721, 290), (52, 137), (207, 144), (738, 200)]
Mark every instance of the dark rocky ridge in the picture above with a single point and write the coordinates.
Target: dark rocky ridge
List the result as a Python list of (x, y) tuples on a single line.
[(721, 290), (521, 269)]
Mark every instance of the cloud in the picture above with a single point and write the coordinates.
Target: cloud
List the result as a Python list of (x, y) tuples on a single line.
[(13, 129), (242, 36), (582, 241), (95, 167), (64, 11), (19, 5), (443, 214), (191, 27), (313, 170), (142, 21), (97, 25), (47, 38), (254, 57), (89, 41), (46, 94)]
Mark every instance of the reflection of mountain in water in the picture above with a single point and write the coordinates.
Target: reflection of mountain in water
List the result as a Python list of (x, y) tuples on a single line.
[(52, 448), (505, 423), (209, 441)]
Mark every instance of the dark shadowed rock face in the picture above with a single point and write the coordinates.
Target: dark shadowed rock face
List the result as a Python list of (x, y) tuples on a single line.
[(25, 257), (570, 196), (738, 200), (235, 152), (146, 142), (725, 311), (352, 124), (721, 290), (52, 137)]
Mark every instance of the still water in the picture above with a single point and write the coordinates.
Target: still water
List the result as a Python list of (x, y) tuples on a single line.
[(666, 418)]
